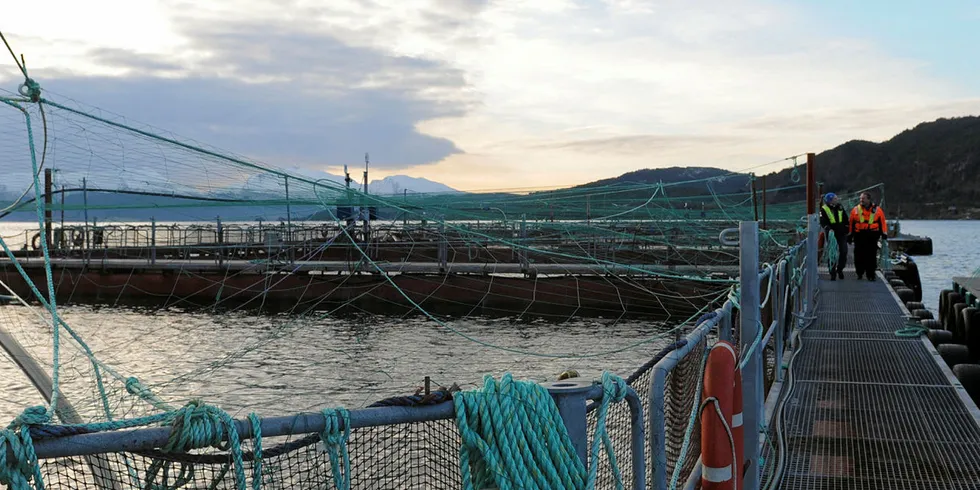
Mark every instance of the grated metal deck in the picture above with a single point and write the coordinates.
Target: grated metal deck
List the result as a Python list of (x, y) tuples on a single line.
[(871, 410)]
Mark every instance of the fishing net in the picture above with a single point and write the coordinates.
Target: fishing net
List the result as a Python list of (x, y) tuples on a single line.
[(273, 292)]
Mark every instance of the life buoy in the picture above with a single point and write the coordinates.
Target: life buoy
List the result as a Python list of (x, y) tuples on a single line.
[(738, 429), (721, 438), (36, 241)]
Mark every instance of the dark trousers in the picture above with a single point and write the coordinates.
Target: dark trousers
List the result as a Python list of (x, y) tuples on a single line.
[(842, 254), (866, 253)]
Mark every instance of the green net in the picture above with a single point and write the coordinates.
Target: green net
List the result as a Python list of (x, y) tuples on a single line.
[(180, 271)]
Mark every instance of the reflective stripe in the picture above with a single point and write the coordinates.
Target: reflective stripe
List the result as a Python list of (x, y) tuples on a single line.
[(830, 215), (871, 220), (736, 420), (716, 475), (730, 349)]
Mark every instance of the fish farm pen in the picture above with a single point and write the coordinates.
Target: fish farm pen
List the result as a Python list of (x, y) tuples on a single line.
[(755, 370)]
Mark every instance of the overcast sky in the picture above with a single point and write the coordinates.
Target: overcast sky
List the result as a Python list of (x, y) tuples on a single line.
[(484, 94)]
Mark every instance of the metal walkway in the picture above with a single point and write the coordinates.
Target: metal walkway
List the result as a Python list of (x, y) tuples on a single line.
[(871, 410)]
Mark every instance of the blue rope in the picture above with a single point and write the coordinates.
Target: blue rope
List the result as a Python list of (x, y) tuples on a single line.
[(335, 434)]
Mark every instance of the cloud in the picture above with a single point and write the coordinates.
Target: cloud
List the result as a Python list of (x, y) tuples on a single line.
[(641, 143), (280, 93), (479, 92)]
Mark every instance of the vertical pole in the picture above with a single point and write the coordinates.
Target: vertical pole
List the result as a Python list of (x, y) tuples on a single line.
[(813, 230), (570, 400), (755, 201), (47, 207), (63, 239), (221, 235), (752, 375), (780, 315), (443, 248), (523, 254), (289, 221), (811, 198), (765, 224), (85, 209), (153, 241)]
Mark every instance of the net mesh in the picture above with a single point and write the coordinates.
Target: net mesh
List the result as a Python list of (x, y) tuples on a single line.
[(184, 243)]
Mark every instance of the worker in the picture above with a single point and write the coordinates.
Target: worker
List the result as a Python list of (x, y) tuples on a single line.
[(867, 226), (833, 218)]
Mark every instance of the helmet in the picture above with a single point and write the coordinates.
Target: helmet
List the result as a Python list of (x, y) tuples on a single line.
[(829, 197)]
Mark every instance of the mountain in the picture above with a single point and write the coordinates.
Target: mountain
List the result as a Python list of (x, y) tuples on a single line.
[(683, 181), (232, 202), (399, 184), (930, 171)]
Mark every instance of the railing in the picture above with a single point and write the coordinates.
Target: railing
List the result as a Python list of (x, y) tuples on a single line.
[(116, 453), (769, 304), (757, 318)]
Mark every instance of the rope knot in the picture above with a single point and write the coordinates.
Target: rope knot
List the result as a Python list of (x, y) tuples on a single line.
[(36, 415), (30, 89), (613, 387), (199, 425), (134, 386), (334, 436), (18, 471)]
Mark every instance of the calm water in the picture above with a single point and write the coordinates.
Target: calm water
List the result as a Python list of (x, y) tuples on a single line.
[(277, 364), (956, 252)]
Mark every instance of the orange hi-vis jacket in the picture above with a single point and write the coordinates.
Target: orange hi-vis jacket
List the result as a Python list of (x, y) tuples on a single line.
[(868, 219)]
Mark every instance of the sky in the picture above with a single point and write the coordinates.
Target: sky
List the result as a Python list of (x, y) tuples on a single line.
[(486, 94)]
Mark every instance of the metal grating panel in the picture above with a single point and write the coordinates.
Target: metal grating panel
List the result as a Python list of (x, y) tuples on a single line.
[(870, 410), (858, 322), (867, 361), (869, 464), (886, 335), (880, 412), (864, 302)]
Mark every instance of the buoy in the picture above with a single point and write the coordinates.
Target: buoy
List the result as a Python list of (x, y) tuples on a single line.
[(954, 354), (959, 330), (738, 429), (718, 448), (905, 294), (915, 305), (949, 321), (943, 301), (939, 337), (971, 322), (922, 314), (969, 377)]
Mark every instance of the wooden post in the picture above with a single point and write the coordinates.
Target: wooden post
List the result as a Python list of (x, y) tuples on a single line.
[(755, 202), (811, 188), (764, 225)]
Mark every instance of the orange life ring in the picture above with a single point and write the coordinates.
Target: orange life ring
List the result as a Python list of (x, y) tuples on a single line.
[(738, 429), (721, 439)]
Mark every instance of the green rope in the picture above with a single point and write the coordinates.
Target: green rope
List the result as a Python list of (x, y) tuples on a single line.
[(831, 250), (884, 259), (334, 436), (513, 437), (912, 328), (18, 472)]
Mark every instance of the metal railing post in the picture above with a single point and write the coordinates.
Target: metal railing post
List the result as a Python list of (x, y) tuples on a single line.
[(570, 398), (780, 314), (753, 379), (153, 241), (813, 230)]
